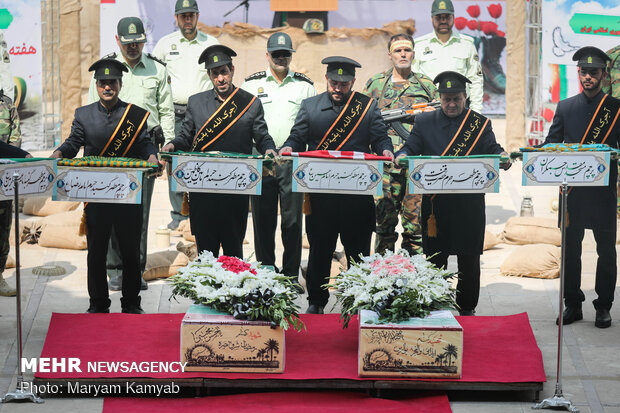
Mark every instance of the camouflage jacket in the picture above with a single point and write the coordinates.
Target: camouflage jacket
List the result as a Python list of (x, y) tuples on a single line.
[(418, 89), (10, 131), (611, 84)]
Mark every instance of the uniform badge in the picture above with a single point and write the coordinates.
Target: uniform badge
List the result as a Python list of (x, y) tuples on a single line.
[(169, 79), (185, 3), (132, 29), (281, 40), (173, 47), (261, 90), (449, 84), (215, 59), (427, 50), (107, 71), (589, 59), (442, 5), (340, 71), (476, 58)]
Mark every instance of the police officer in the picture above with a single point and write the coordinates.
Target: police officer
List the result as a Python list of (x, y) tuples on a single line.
[(221, 219), (350, 216), (453, 224), (147, 85), (444, 49), (591, 207), (281, 92), (399, 87), (180, 51), (95, 127)]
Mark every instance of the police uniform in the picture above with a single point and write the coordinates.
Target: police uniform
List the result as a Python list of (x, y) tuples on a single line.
[(389, 95), (350, 216), (589, 207), (6, 78), (92, 127), (612, 81), (146, 85), (187, 78), (221, 219), (460, 218), (281, 102), (457, 54)]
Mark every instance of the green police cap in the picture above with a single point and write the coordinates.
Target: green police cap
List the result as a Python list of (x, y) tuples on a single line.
[(442, 7), (591, 57), (108, 69), (280, 41), (130, 30), (340, 69), (451, 82), (185, 6), (216, 55)]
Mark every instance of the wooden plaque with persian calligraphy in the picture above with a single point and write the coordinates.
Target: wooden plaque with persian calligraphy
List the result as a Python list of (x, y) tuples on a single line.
[(36, 178), (587, 168), (215, 341), (419, 347)]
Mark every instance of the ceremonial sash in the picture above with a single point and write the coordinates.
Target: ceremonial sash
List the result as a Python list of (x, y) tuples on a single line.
[(126, 131), (467, 135), (224, 117), (602, 122), (346, 123)]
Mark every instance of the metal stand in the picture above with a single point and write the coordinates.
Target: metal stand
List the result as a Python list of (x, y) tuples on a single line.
[(558, 400), (19, 395), (244, 3)]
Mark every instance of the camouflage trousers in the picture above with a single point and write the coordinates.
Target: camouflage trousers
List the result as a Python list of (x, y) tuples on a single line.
[(6, 218), (395, 201)]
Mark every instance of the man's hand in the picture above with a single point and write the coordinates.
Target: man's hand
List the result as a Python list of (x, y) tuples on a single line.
[(270, 153), (505, 165), (389, 154), (28, 156), (169, 147), (56, 154), (285, 149), (154, 159)]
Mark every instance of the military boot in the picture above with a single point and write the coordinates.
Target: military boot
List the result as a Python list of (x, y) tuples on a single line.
[(5, 289), (494, 75)]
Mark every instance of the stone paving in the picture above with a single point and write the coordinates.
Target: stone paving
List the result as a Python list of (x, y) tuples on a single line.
[(591, 367)]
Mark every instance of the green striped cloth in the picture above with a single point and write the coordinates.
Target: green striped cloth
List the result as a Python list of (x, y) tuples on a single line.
[(104, 161)]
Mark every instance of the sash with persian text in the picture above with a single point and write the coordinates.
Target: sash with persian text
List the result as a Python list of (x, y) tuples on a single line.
[(346, 123), (126, 132), (602, 122), (467, 135), (224, 117)]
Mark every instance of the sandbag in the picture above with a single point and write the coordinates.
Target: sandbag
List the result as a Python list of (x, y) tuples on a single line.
[(490, 240), (531, 230), (44, 206), (187, 231), (179, 262), (62, 231), (535, 260), (10, 262), (158, 264)]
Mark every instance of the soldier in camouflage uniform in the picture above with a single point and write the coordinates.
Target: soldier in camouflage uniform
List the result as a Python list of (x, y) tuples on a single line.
[(399, 87), (611, 86), (9, 134)]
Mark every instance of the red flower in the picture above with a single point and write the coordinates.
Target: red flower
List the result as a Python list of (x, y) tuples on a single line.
[(500, 33), (495, 10), (234, 264), (473, 25), (460, 23), (489, 28), (474, 11)]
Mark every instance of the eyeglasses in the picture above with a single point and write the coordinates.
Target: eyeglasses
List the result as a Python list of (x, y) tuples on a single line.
[(280, 53)]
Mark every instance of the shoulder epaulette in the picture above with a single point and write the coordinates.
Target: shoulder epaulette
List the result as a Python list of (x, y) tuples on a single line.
[(257, 75), (424, 37), (466, 37), (303, 77), (375, 77), (150, 56)]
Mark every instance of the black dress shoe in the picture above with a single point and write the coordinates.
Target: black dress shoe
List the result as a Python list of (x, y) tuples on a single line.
[(315, 309), (93, 310), (143, 284), (570, 315), (603, 319), (133, 309), (467, 312), (297, 286)]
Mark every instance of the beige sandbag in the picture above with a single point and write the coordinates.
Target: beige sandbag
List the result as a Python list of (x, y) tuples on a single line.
[(10, 262), (179, 262), (535, 260), (158, 264), (62, 231), (44, 206), (189, 249), (490, 240), (531, 230), (187, 232)]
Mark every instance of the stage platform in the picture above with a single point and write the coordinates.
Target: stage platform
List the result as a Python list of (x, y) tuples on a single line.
[(499, 353)]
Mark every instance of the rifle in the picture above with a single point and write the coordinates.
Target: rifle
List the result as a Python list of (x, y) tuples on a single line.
[(396, 117)]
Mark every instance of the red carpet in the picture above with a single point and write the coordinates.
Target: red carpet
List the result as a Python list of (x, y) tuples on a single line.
[(496, 349), (282, 402)]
